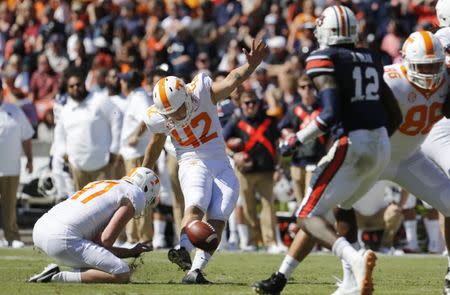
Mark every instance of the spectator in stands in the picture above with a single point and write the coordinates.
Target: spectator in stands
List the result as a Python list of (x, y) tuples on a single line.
[(204, 29), (47, 126), (56, 55), (393, 41), (255, 166), (87, 133), (80, 62), (15, 89), (133, 141), (202, 64), (15, 135), (227, 15), (182, 52), (44, 82)]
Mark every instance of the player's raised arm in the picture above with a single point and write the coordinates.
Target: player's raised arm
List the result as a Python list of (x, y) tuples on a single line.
[(222, 89), (153, 150)]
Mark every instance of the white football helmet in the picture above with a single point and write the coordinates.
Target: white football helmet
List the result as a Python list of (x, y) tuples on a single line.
[(147, 180), (423, 57), (336, 25), (169, 94), (443, 12)]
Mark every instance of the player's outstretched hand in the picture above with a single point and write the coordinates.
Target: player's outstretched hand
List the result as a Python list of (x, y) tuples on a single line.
[(256, 54), (139, 248)]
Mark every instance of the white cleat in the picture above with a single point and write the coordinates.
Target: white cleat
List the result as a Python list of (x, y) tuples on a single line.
[(347, 288), (362, 271)]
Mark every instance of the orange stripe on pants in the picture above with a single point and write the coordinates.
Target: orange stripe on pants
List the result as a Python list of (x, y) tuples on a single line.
[(325, 178)]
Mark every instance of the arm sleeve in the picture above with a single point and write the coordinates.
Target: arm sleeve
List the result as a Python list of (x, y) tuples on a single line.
[(331, 112)]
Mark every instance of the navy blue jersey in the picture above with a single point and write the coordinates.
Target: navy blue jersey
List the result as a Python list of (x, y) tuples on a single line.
[(358, 73)]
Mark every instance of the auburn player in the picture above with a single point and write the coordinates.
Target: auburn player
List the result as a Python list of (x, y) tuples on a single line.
[(80, 232), (421, 86), (350, 85), (188, 114)]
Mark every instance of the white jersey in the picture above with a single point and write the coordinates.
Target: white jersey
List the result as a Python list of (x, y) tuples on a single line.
[(437, 144), (87, 212), (202, 138), (421, 110)]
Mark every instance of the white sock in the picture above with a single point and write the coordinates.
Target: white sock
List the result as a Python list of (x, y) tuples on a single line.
[(67, 277), (159, 229), (288, 266), (344, 250), (348, 280), (200, 260), (232, 222), (223, 240), (176, 238), (448, 260), (243, 234), (184, 242), (159, 226), (360, 234), (433, 231), (411, 233)]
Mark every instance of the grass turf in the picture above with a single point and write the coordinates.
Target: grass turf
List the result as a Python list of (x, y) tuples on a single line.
[(232, 273)]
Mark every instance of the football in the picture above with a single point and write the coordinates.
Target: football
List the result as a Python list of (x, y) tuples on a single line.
[(202, 235), (235, 144)]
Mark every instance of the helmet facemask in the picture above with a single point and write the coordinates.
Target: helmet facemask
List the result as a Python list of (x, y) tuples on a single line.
[(425, 75), (190, 105)]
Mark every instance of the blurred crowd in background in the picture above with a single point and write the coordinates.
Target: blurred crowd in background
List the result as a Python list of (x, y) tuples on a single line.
[(44, 42), (41, 42)]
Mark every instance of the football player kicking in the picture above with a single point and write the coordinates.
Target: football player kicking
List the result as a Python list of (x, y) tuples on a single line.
[(420, 85), (188, 114), (80, 232), (355, 102)]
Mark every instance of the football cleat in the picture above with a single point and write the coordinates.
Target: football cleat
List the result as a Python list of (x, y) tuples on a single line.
[(351, 288), (273, 285), (195, 276), (362, 270), (446, 290), (180, 257), (46, 275)]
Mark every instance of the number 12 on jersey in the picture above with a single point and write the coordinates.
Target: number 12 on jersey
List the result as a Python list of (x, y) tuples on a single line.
[(367, 81)]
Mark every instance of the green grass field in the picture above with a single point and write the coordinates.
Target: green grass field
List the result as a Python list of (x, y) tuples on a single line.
[(232, 273)]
